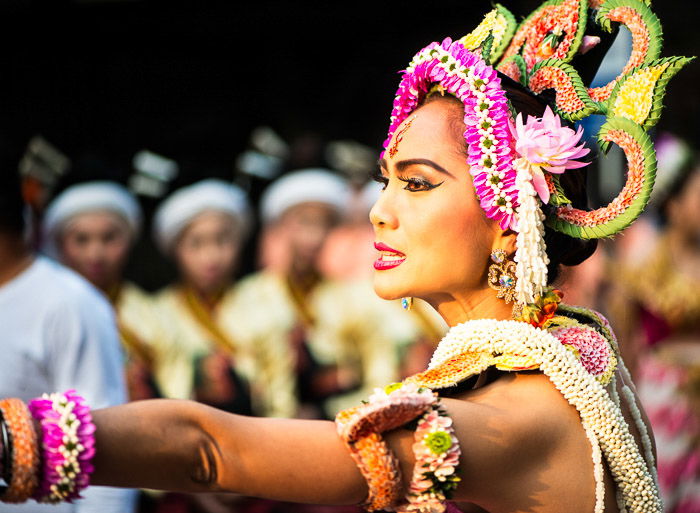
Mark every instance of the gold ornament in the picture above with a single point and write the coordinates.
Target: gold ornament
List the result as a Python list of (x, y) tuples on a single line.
[(502, 276)]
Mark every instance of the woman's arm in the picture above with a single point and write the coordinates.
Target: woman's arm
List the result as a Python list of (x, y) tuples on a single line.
[(186, 446), (509, 433)]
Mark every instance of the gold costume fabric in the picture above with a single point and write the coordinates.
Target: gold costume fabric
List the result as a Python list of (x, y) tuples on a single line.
[(345, 326), (198, 357)]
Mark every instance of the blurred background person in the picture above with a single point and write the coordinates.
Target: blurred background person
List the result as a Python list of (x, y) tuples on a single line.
[(656, 305), (58, 333), (328, 333), (91, 228), (202, 228)]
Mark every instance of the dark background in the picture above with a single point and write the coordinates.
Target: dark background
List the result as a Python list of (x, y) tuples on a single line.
[(103, 79), (190, 79)]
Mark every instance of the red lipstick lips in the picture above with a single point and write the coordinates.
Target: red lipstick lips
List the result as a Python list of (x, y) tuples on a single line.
[(388, 257)]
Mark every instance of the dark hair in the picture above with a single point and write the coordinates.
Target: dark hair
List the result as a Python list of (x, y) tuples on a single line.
[(562, 249)]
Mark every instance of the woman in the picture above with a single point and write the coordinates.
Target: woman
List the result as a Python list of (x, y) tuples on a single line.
[(202, 228), (445, 237), (92, 227)]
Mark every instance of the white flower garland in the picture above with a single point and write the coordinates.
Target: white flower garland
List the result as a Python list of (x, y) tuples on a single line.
[(598, 471), (599, 413), (642, 427), (531, 253)]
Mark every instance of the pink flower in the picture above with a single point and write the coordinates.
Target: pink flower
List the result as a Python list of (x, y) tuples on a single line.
[(548, 146), (593, 349), (430, 67)]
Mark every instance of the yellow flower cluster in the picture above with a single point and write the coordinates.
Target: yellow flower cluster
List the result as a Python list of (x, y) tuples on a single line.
[(492, 22), (635, 97)]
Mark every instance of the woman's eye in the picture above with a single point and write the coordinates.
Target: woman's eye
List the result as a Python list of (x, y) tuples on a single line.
[(378, 177), (414, 184)]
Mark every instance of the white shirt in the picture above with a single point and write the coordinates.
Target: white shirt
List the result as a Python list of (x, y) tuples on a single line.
[(57, 332)]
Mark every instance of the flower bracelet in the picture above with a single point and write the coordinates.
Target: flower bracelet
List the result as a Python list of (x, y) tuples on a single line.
[(68, 445), (51, 463), (436, 448)]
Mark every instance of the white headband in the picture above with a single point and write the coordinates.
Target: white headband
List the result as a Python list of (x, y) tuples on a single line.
[(181, 207), (304, 186), (89, 197)]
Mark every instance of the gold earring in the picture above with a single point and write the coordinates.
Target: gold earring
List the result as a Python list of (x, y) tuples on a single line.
[(406, 303), (502, 275)]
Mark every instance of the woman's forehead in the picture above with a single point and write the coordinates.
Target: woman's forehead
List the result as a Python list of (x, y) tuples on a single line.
[(430, 126), (94, 219)]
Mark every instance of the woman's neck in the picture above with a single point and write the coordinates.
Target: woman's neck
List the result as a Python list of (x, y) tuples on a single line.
[(208, 298), (465, 306), (304, 279)]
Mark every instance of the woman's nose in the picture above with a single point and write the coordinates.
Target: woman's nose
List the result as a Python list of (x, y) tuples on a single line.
[(382, 215)]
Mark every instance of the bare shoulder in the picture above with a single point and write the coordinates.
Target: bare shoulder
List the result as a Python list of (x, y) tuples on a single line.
[(524, 407)]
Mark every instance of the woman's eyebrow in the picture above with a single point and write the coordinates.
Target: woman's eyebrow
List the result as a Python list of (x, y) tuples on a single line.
[(403, 164)]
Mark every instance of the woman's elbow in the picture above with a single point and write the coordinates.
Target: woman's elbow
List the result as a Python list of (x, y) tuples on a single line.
[(204, 472)]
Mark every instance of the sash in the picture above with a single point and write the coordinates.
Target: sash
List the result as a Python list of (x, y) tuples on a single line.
[(203, 316)]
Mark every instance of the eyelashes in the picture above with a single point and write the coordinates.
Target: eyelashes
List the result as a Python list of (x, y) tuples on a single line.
[(413, 183), (416, 184), (378, 177)]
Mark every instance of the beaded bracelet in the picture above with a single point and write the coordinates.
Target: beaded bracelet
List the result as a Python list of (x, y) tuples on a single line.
[(24, 450), (68, 445)]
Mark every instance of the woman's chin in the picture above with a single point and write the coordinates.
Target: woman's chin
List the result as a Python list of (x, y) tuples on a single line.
[(387, 287)]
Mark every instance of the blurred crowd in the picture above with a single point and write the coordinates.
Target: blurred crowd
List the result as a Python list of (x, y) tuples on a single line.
[(647, 282), (301, 335)]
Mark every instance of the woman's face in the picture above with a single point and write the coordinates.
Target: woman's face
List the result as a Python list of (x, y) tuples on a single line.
[(428, 213), (307, 227), (96, 245), (207, 250)]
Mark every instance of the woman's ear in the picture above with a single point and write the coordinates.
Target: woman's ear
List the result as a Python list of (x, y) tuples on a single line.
[(505, 240)]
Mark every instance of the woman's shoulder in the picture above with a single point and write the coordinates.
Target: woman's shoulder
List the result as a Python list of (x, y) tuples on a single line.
[(515, 433), (133, 294), (521, 404)]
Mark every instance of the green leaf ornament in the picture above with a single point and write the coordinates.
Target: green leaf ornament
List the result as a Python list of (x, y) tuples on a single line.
[(638, 95), (646, 32), (515, 67), (568, 20), (500, 25), (558, 197), (630, 202), (572, 99)]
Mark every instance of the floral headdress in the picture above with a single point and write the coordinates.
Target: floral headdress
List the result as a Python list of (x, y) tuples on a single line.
[(516, 163)]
